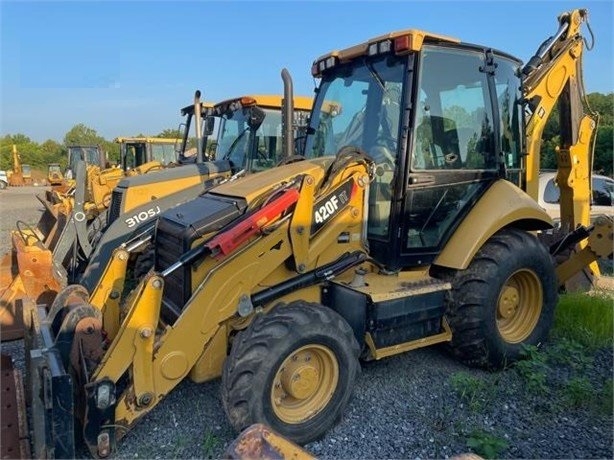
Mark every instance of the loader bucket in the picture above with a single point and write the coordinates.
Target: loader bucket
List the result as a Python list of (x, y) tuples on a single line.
[(11, 291), (26, 272)]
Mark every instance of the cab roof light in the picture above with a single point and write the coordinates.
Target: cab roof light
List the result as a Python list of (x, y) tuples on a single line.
[(379, 47), (320, 66), (402, 44), (247, 101)]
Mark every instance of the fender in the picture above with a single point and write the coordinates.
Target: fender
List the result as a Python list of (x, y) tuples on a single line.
[(503, 205)]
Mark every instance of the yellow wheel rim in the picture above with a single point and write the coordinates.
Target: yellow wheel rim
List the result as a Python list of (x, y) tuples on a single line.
[(304, 383), (519, 306)]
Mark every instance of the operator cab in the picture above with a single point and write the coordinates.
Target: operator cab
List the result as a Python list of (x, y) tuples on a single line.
[(138, 151), (441, 121), (249, 130), (250, 135), (90, 154)]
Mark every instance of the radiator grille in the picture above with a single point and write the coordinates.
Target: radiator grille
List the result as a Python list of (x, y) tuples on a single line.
[(116, 205)]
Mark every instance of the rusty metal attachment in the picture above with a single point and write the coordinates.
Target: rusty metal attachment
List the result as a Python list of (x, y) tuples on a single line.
[(14, 441), (259, 441)]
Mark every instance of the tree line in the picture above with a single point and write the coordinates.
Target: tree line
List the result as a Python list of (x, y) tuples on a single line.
[(40, 155)]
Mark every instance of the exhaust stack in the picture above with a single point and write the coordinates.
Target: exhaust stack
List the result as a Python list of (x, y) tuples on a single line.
[(287, 115)]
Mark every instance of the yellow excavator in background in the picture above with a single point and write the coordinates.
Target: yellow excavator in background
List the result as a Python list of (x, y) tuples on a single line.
[(21, 174), (409, 220)]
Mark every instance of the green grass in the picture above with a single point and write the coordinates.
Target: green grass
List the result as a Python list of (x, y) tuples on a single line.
[(473, 391), (586, 319), (487, 445)]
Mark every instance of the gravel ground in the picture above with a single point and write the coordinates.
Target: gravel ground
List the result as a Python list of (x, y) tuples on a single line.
[(403, 407)]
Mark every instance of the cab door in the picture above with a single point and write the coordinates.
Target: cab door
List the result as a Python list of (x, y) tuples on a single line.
[(452, 149)]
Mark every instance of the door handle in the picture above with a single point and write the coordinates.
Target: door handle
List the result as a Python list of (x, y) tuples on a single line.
[(421, 179)]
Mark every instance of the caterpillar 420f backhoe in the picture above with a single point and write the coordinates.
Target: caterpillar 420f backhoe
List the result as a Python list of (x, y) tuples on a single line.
[(411, 221)]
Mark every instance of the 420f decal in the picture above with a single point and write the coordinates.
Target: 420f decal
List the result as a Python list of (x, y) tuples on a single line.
[(329, 206)]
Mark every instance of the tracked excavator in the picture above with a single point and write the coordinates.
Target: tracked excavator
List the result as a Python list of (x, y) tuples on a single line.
[(410, 220)]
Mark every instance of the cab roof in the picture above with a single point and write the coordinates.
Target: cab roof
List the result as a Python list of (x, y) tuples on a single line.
[(399, 42), (272, 101), (269, 101), (147, 140), (415, 39)]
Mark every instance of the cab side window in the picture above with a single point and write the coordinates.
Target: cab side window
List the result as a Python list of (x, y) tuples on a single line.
[(454, 120)]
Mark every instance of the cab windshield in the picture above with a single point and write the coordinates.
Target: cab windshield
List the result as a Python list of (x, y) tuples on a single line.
[(249, 150), (164, 153), (359, 105), (91, 155)]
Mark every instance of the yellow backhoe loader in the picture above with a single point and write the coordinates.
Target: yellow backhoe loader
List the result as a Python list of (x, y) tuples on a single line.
[(76, 236), (410, 220), (55, 176)]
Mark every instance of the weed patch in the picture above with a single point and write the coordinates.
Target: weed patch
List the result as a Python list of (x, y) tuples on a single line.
[(533, 369), (210, 442), (487, 444), (475, 392)]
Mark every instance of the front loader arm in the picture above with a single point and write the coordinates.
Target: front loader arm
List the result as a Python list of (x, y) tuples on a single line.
[(241, 270)]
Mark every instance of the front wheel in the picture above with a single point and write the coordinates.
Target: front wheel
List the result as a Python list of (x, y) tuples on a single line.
[(292, 369), (503, 301)]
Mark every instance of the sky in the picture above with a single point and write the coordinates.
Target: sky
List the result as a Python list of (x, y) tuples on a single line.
[(124, 68)]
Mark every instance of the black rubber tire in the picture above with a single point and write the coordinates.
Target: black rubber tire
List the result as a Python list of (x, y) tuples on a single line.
[(473, 310), (259, 351), (2, 185)]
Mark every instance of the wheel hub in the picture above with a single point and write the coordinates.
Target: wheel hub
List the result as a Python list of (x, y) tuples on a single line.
[(519, 306), (508, 302), (304, 383), (300, 381)]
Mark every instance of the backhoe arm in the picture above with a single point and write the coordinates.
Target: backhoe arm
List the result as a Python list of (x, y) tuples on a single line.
[(554, 75)]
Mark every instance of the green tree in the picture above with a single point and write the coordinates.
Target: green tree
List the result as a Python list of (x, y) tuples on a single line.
[(53, 152), (82, 135), (604, 150), (603, 104), (28, 150), (170, 133)]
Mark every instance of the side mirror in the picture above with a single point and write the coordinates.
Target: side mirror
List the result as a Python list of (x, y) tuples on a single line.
[(256, 117), (182, 134), (208, 126)]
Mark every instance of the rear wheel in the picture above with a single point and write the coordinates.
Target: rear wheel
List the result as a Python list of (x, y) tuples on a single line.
[(503, 301), (2, 185), (292, 369)]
